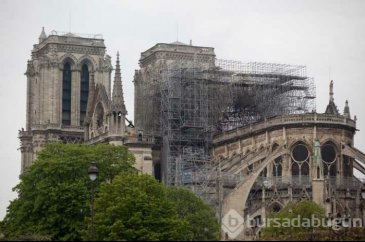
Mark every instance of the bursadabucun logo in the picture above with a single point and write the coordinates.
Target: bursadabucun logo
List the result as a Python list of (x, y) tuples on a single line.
[(233, 223)]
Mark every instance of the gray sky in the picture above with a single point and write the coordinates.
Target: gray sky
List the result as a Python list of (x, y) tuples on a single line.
[(326, 36)]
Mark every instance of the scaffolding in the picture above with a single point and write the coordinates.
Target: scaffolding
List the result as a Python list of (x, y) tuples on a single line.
[(185, 103), (185, 124), (261, 90)]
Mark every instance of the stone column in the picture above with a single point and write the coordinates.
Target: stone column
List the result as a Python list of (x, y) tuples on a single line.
[(59, 93), (55, 90), (318, 191), (40, 95), (286, 165), (47, 94), (75, 98), (29, 102)]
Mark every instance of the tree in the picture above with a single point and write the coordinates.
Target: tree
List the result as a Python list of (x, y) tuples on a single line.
[(296, 221), (54, 193), (200, 217), (1, 231), (135, 207)]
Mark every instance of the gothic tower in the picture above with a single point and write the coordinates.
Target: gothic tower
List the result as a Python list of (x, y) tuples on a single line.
[(105, 123), (106, 115), (117, 106), (64, 67)]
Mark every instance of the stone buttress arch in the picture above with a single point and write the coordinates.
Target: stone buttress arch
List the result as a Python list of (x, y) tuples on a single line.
[(237, 199)]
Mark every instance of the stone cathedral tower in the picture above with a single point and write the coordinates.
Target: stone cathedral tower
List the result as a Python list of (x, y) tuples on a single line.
[(69, 97)]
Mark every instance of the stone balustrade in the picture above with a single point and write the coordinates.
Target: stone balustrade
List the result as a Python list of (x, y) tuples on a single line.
[(282, 121), (146, 139), (180, 48), (77, 39), (57, 126)]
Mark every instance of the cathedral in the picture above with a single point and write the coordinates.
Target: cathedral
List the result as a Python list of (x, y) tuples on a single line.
[(70, 99), (290, 158), (243, 136)]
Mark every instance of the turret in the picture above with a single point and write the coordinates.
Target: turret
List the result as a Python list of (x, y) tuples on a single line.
[(118, 110), (346, 111), (118, 97), (42, 36), (331, 107)]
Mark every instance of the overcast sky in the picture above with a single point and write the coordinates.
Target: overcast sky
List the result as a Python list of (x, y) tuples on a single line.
[(326, 36)]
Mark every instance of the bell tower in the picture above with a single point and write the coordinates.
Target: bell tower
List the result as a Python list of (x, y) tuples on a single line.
[(62, 70)]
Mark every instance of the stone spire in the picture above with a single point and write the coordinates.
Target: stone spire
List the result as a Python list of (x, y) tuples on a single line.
[(331, 107), (346, 111), (42, 36), (118, 98)]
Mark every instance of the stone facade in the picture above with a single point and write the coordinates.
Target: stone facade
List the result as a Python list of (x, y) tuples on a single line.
[(93, 114), (289, 158), (154, 63), (269, 164)]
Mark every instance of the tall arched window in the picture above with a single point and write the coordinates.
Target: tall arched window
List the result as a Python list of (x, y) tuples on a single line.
[(66, 94), (329, 155), (300, 163), (347, 167), (277, 167), (84, 92)]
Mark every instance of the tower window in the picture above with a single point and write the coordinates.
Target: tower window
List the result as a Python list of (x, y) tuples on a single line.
[(328, 153), (300, 163), (84, 92), (66, 95), (277, 167)]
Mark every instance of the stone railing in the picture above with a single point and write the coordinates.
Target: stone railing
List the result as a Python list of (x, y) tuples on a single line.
[(98, 138), (146, 139), (77, 39), (300, 181), (344, 182), (181, 48), (76, 35), (310, 118), (294, 181), (57, 126)]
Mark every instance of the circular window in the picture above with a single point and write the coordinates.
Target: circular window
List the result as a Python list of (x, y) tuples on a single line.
[(328, 153), (300, 153)]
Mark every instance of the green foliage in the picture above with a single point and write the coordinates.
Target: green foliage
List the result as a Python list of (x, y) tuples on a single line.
[(344, 234), (295, 219), (201, 218), (54, 201), (1, 231), (135, 207), (33, 237), (54, 194)]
